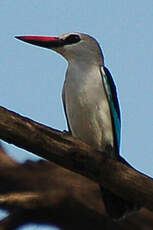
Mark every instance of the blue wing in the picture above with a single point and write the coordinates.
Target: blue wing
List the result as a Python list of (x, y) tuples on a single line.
[(114, 107)]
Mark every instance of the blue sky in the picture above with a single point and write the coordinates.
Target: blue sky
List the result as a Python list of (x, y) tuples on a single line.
[(32, 78)]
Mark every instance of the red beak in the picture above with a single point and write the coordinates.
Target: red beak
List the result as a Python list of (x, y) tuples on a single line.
[(47, 42)]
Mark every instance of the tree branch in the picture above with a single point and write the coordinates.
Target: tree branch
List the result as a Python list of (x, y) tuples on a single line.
[(52, 195), (42, 192), (73, 154), (20, 200)]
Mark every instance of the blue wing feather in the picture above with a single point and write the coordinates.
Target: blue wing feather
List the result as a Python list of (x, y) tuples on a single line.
[(114, 107)]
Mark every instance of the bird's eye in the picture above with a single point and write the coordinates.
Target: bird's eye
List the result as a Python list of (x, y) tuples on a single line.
[(73, 38)]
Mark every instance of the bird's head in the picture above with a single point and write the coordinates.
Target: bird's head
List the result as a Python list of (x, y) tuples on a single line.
[(73, 46)]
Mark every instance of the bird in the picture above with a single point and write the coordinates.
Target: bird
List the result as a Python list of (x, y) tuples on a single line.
[(90, 102)]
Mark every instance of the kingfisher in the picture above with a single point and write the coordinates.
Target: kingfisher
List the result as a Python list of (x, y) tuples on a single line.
[(90, 102)]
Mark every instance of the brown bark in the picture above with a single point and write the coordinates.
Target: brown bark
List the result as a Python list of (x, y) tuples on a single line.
[(45, 192)]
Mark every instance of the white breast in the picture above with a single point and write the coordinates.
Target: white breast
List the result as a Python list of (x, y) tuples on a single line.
[(87, 107)]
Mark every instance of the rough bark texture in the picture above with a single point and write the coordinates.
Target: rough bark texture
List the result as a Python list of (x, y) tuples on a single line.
[(43, 192)]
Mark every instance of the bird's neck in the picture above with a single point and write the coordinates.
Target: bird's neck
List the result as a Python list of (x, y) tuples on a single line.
[(86, 61), (82, 71)]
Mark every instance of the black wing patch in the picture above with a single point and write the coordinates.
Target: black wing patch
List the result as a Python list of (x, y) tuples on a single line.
[(67, 118), (63, 98)]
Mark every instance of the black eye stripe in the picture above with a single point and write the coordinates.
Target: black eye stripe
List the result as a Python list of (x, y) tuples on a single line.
[(73, 38)]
